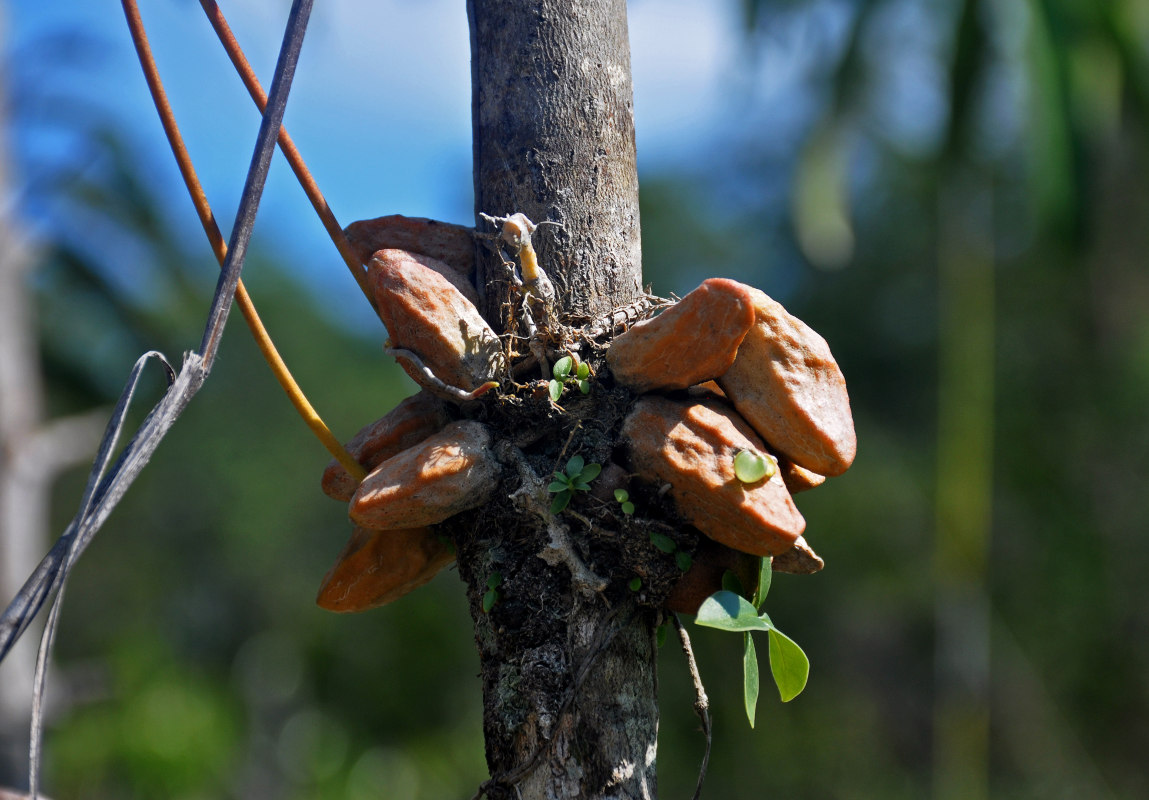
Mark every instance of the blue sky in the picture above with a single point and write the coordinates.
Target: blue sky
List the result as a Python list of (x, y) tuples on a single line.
[(380, 107)]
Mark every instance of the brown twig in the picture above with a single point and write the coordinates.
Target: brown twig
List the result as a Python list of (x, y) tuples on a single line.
[(287, 146), (436, 384), (701, 701), (566, 444)]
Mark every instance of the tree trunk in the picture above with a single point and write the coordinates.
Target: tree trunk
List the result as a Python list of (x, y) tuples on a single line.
[(553, 118), (567, 656)]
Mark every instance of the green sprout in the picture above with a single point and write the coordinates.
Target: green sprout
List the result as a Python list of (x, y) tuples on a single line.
[(575, 478), (668, 545), (729, 611), (751, 467), (564, 372), (623, 498), (492, 596)]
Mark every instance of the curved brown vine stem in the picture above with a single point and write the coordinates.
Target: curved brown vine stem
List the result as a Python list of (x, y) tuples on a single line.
[(287, 146), (215, 238), (701, 702)]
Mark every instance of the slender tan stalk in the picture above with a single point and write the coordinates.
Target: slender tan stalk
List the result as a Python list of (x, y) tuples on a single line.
[(207, 219)]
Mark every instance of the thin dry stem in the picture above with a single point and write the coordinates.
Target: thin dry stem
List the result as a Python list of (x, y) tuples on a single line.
[(701, 701), (215, 238)]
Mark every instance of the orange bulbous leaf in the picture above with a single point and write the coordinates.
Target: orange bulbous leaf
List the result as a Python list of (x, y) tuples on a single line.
[(377, 567), (692, 446), (409, 423), (453, 245), (787, 385), (799, 559), (427, 314), (799, 479), (451, 471), (693, 341), (704, 578)]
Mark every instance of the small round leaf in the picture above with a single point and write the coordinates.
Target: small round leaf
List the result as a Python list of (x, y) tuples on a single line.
[(560, 501), (663, 542), (751, 467), (590, 472), (489, 600), (562, 368)]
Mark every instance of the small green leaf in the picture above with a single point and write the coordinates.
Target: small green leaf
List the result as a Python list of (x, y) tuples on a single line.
[(731, 582), (683, 560), (590, 472), (584, 387), (621, 495), (663, 542), (580, 484), (765, 571), (660, 635), (556, 390), (729, 612), (749, 676), (574, 466), (628, 508), (560, 501), (635, 584), (583, 371), (751, 467), (788, 664), (562, 368), (560, 484), (489, 600), (494, 580)]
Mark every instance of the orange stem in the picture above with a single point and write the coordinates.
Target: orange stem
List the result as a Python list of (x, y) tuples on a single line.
[(219, 247), (287, 146)]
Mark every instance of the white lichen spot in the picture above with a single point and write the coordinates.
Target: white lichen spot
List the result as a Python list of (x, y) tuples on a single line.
[(623, 772)]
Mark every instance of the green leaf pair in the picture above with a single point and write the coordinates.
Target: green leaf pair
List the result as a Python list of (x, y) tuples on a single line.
[(565, 371), (668, 545), (729, 611), (576, 477), (623, 498)]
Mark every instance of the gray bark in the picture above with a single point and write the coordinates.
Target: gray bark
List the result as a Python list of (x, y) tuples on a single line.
[(553, 118), (569, 683)]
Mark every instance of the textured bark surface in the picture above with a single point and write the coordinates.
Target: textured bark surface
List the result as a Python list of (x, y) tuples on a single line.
[(553, 122), (567, 657)]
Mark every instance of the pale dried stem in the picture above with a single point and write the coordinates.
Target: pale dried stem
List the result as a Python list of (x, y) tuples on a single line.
[(701, 701)]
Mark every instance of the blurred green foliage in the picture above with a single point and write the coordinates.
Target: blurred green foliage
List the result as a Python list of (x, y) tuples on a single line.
[(196, 664)]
